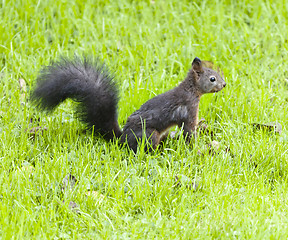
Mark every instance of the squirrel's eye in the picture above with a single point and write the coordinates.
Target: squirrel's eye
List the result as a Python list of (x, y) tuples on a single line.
[(212, 79)]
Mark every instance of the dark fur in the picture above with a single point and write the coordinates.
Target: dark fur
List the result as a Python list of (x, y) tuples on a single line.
[(89, 84), (94, 88)]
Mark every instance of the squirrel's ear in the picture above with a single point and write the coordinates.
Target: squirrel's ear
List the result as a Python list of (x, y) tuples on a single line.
[(197, 65)]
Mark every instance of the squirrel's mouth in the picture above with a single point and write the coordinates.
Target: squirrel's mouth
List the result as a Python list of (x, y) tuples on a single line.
[(216, 90)]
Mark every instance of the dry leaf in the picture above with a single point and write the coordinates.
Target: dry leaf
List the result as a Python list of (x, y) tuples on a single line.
[(214, 144), (33, 131), (22, 84), (213, 147), (203, 128), (36, 129), (69, 182), (28, 169), (191, 186), (95, 195), (271, 127), (74, 207)]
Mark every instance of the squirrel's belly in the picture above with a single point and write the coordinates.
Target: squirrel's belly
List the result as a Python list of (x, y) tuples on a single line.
[(165, 132)]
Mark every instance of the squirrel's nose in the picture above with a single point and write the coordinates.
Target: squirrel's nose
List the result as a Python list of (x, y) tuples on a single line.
[(224, 84)]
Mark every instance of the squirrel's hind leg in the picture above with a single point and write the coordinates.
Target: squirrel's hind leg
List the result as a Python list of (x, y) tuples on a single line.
[(133, 138), (153, 138)]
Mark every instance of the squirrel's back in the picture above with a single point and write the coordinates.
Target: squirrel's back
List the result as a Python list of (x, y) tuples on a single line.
[(86, 82)]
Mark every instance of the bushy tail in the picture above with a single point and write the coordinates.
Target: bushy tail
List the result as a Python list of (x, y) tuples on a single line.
[(90, 84)]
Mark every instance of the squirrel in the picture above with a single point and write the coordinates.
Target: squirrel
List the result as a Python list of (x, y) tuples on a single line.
[(92, 85)]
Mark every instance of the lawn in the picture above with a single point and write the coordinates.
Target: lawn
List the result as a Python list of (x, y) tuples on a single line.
[(242, 187)]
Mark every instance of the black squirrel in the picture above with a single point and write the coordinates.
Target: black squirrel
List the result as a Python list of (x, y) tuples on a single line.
[(94, 88)]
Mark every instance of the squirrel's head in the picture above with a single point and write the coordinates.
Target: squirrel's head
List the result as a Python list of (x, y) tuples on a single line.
[(205, 79)]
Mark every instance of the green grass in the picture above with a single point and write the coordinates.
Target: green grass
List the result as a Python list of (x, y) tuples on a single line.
[(242, 194)]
